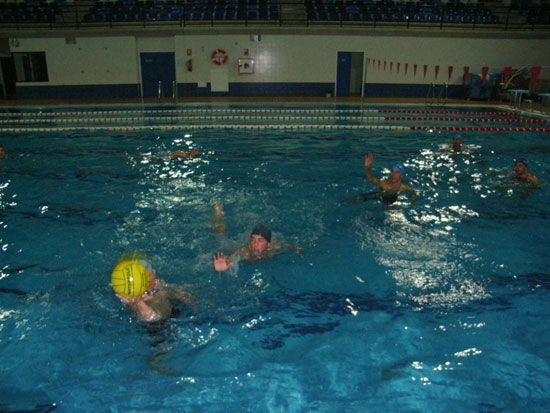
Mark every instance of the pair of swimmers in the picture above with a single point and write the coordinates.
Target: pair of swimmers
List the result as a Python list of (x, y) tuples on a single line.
[(520, 173), (160, 299)]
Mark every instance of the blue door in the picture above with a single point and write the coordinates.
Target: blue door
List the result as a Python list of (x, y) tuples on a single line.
[(343, 74), (155, 68)]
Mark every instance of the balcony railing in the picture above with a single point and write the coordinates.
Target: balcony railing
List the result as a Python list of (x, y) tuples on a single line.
[(83, 14)]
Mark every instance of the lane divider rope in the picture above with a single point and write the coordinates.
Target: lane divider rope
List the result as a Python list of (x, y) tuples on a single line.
[(184, 118), (274, 118), (227, 110), (258, 127)]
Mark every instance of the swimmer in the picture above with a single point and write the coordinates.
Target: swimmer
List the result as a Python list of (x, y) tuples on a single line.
[(457, 145), (521, 174), (2, 152), (260, 247), (159, 301), (390, 188), (193, 153), (382, 196)]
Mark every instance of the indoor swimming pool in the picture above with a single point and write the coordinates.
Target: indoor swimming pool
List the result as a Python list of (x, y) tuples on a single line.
[(436, 305)]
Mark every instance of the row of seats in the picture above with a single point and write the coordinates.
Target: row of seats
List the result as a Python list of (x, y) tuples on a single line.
[(431, 11), (538, 15), (31, 12), (357, 10), (129, 11)]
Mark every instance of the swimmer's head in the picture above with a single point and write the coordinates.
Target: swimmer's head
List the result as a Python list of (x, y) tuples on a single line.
[(260, 239), (397, 172), (263, 232), (457, 142), (399, 169), (196, 150), (521, 161)]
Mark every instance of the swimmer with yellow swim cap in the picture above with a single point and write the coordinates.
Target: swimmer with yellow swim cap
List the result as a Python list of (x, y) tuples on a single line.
[(135, 284)]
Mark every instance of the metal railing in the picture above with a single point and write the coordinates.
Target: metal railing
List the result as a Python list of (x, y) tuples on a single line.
[(441, 98), (95, 14)]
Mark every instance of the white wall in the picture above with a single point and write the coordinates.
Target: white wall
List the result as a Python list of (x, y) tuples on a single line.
[(90, 61), (286, 58), (280, 58)]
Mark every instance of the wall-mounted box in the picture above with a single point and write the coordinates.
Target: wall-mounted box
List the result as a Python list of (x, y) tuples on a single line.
[(246, 66)]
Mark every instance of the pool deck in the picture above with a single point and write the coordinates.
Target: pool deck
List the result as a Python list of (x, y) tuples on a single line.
[(348, 100), (535, 109)]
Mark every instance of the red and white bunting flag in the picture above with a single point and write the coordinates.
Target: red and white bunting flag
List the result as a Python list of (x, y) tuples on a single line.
[(484, 71), (465, 75), (535, 73)]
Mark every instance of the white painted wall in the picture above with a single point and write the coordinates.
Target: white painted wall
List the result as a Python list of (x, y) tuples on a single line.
[(281, 58), (91, 61), (284, 58)]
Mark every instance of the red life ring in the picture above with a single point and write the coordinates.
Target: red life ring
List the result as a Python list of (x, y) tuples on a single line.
[(219, 57)]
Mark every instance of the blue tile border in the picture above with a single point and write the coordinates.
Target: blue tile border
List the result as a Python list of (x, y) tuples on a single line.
[(241, 89), (78, 92)]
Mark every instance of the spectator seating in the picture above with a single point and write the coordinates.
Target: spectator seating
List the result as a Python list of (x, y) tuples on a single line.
[(54, 12), (538, 14), (188, 10), (396, 11), (31, 12)]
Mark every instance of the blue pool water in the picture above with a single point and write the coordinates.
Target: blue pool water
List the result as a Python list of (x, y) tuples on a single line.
[(437, 306)]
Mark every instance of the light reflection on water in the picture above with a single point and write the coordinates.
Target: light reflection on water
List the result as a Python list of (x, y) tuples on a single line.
[(418, 244), (328, 323)]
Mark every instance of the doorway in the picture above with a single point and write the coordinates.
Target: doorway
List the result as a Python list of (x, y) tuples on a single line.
[(8, 89), (349, 74), (155, 68)]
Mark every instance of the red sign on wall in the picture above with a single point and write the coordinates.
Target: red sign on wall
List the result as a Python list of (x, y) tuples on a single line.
[(189, 52)]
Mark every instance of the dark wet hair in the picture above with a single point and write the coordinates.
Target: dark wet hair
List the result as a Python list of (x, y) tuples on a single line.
[(522, 160), (262, 231)]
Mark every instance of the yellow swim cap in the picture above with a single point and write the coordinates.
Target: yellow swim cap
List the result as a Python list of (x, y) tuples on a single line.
[(130, 279)]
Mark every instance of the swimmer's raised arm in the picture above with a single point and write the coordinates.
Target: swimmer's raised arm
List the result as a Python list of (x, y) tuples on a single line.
[(370, 177), (220, 262)]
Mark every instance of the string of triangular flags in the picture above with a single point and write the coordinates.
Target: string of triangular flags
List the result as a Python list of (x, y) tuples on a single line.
[(507, 71)]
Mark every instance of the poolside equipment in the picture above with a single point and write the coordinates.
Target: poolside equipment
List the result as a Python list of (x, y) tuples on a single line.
[(130, 278)]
